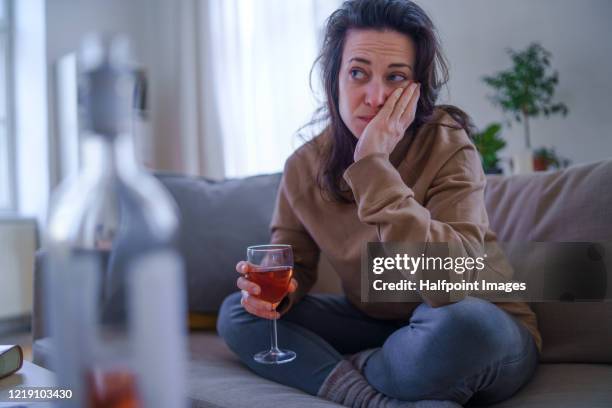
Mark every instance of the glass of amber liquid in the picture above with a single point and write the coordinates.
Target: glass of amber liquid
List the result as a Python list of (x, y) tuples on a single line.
[(112, 388), (271, 267)]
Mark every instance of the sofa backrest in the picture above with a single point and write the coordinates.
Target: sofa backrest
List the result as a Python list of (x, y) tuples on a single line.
[(220, 219), (570, 205), (574, 204)]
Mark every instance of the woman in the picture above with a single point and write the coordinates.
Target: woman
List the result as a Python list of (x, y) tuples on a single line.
[(390, 166)]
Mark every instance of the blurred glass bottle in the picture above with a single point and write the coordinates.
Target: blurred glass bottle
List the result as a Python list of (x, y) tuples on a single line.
[(115, 284)]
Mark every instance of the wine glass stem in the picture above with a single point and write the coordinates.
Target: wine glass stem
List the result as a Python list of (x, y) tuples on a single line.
[(274, 337)]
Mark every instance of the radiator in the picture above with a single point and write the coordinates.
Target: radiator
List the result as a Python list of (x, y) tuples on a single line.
[(18, 242)]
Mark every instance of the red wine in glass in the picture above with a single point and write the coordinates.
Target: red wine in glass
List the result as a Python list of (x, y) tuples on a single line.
[(273, 281), (271, 267)]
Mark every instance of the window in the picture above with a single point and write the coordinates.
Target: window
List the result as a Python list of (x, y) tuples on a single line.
[(7, 195), (262, 53)]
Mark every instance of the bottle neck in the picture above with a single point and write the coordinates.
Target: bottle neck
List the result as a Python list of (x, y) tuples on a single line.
[(111, 156)]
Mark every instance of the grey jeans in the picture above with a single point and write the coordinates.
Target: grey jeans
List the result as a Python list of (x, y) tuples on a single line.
[(471, 352)]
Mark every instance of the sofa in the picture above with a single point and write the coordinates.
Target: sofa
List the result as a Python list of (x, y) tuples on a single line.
[(220, 219)]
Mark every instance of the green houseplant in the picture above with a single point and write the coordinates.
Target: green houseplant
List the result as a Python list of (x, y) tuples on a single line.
[(488, 142), (545, 158), (526, 89)]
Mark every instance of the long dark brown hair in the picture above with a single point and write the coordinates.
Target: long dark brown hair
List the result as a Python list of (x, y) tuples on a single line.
[(431, 71)]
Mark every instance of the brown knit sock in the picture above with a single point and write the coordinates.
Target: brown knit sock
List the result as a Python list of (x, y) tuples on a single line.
[(346, 385)]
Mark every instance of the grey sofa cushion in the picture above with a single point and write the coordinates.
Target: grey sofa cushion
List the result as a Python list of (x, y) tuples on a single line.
[(218, 379), (572, 205), (565, 386), (214, 370), (218, 221)]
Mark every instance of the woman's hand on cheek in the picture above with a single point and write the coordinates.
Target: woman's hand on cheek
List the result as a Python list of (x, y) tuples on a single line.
[(387, 128)]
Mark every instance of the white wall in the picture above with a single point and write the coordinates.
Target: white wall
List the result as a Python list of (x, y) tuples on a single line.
[(475, 34), (67, 22), (155, 28)]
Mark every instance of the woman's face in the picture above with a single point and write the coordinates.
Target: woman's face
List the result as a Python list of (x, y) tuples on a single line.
[(374, 63)]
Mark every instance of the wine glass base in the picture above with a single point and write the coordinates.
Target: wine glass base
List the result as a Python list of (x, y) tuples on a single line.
[(275, 356)]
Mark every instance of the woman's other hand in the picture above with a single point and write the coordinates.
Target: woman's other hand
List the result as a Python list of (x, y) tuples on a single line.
[(250, 292), (387, 128)]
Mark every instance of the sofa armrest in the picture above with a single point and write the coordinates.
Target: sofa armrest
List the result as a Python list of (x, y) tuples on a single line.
[(38, 310)]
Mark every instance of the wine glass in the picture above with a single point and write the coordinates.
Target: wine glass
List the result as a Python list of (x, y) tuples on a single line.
[(271, 267)]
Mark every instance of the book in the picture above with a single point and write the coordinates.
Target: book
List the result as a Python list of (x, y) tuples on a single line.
[(11, 360)]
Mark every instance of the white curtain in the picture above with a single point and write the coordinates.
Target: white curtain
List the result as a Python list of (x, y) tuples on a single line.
[(229, 82), (184, 121), (261, 52)]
